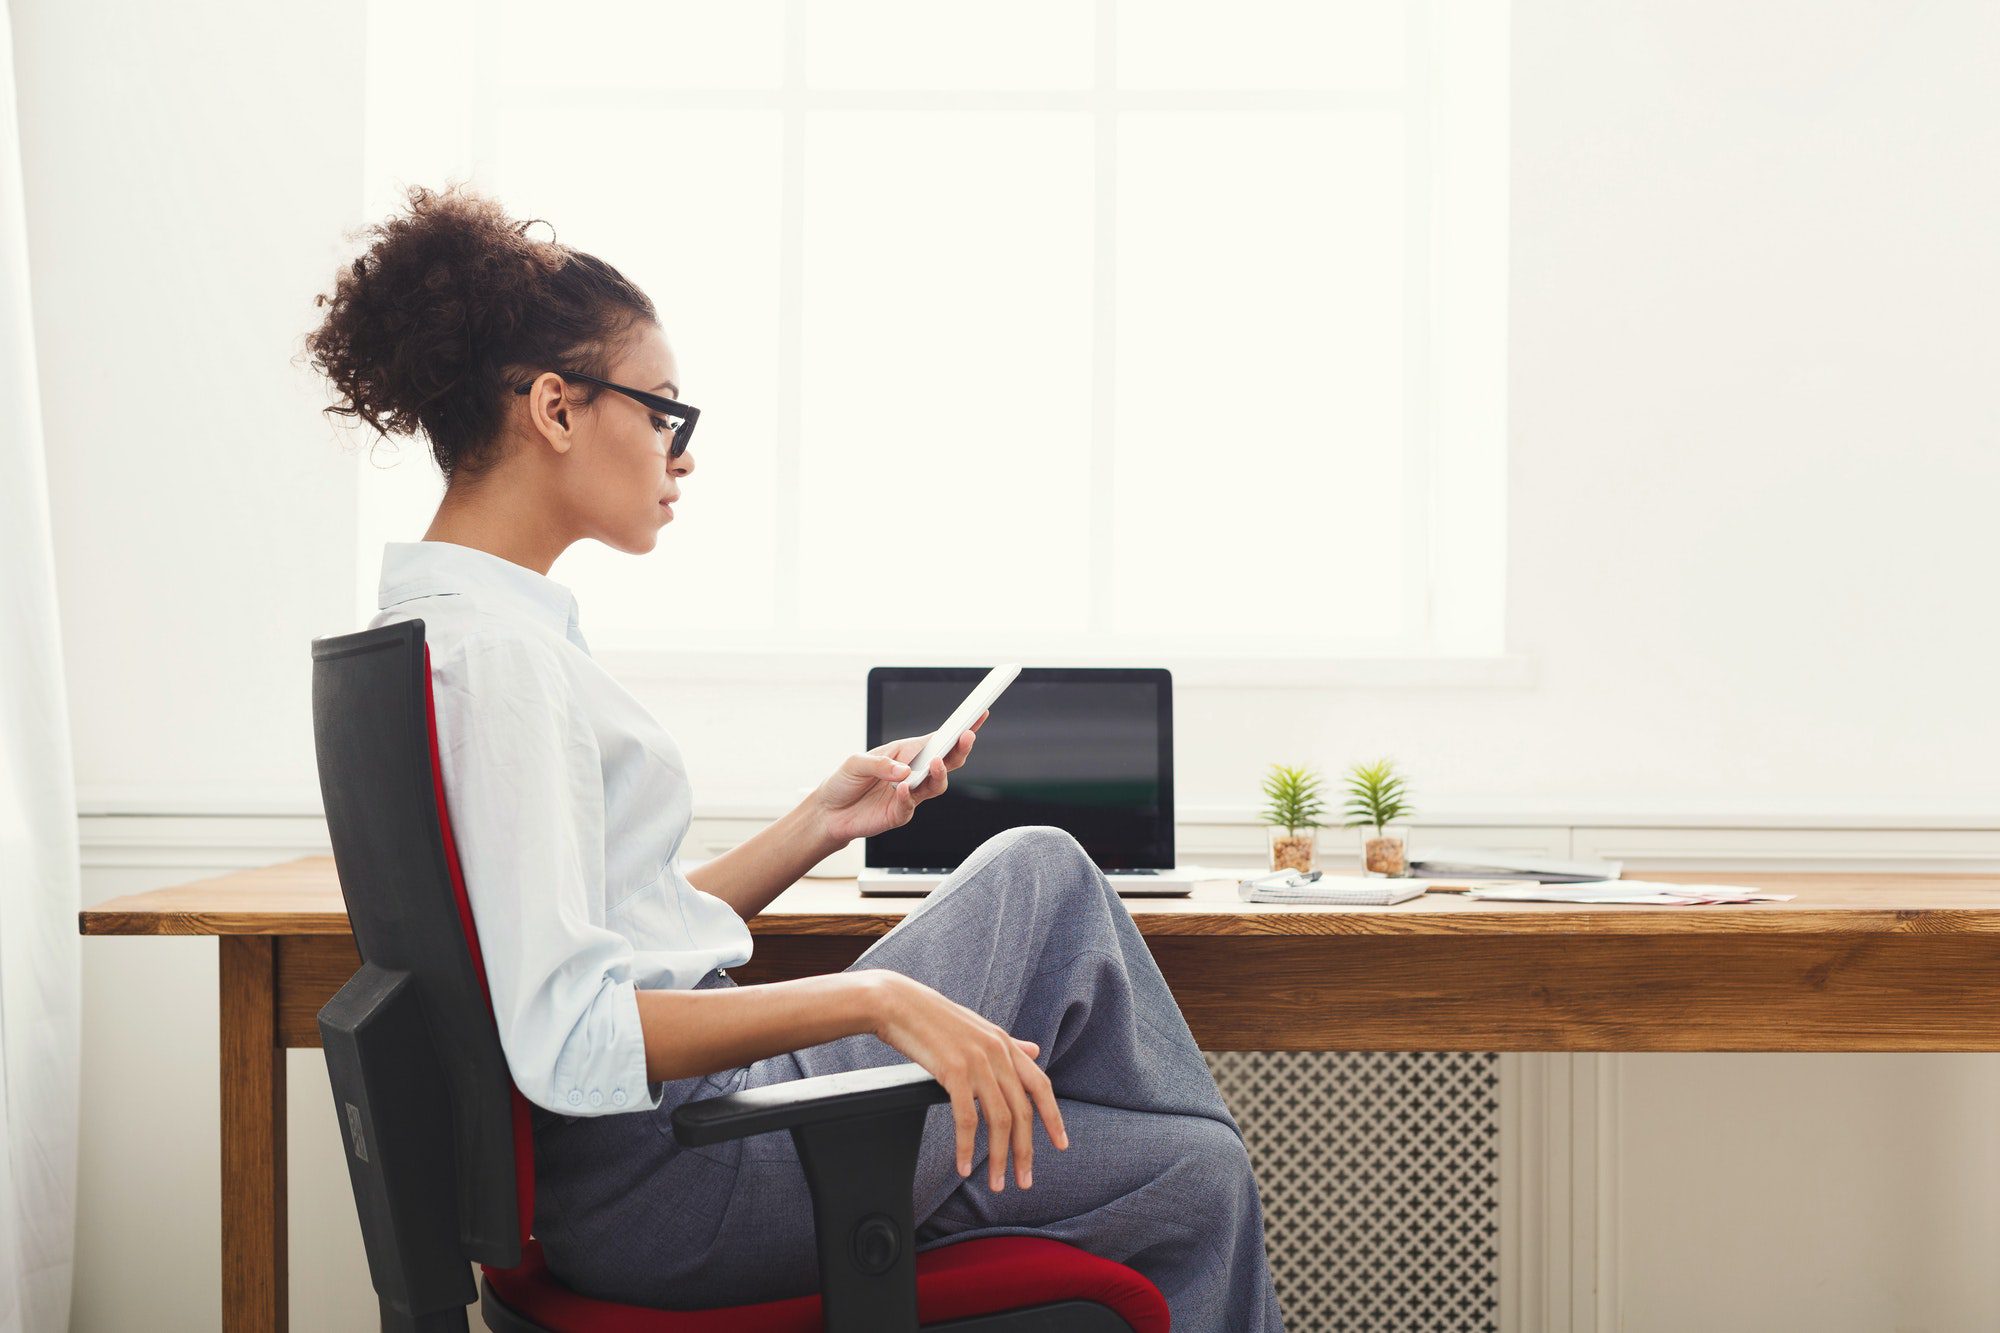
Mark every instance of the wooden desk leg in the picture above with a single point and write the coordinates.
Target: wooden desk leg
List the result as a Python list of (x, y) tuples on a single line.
[(254, 1275)]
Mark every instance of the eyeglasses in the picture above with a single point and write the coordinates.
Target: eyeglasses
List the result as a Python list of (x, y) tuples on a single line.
[(682, 416)]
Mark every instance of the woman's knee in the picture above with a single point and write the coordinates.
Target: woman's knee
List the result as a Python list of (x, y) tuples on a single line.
[(1032, 863), (1033, 839), (1049, 846)]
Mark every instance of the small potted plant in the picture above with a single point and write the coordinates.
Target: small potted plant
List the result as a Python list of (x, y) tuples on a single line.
[(1377, 798), (1294, 813)]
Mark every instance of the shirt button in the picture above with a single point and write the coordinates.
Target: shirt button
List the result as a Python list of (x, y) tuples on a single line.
[(575, 1098), (596, 1098), (618, 1097)]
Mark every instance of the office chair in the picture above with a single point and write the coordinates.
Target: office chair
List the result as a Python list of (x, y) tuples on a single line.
[(439, 1148)]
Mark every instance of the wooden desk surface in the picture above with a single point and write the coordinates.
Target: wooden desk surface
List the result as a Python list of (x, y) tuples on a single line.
[(303, 898)]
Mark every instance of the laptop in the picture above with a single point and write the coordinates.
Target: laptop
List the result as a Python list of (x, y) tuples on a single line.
[(1087, 749)]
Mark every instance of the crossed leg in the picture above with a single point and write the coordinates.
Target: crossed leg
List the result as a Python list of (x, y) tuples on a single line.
[(1031, 935)]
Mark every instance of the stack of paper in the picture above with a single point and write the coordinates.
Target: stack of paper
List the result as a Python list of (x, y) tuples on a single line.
[(1649, 892), (1440, 862)]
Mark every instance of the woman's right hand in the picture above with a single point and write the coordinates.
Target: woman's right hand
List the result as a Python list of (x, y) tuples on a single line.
[(978, 1063)]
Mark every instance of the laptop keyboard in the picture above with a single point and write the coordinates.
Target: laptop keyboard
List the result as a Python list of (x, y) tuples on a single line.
[(946, 870), (914, 881)]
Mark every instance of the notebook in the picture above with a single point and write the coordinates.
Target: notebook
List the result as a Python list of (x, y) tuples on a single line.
[(1331, 891)]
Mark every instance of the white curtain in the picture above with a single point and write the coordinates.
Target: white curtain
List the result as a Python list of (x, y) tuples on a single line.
[(39, 876)]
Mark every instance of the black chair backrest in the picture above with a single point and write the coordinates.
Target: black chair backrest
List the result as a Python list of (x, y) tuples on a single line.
[(420, 1082)]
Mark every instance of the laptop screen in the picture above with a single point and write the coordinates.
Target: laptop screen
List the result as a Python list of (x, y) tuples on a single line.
[(1090, 750)]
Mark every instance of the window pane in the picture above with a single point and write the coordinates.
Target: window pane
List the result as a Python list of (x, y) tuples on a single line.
[(1257, 269), (1260, 450), (1261, 44), (950, 45), (947, 376), (669, 44), (704, 247)]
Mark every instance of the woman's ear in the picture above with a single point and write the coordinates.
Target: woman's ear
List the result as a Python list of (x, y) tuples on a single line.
[(548, 412)]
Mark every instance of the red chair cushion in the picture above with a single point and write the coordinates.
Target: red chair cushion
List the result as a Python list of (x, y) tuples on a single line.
[(973, 1277)]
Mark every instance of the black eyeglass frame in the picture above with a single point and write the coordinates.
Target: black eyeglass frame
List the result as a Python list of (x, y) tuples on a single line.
[(666, 407)]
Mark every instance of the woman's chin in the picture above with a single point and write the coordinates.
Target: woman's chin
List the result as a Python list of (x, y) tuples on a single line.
[(637, 543)]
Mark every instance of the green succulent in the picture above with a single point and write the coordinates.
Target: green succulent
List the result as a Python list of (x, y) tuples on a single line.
[(1376, 795), (1294, 796)]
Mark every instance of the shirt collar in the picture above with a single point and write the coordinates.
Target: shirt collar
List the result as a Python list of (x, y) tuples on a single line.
[(431, 568)]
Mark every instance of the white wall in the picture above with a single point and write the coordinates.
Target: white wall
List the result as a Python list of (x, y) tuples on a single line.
[(1806, 1192), (1754, 463), (1753, 287), (190, 169), (1753, 450)]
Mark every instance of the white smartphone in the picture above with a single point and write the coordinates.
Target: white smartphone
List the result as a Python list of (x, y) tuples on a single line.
[(982, 696)]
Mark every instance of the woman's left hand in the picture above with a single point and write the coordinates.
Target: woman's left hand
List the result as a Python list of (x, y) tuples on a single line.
[(865, 796)]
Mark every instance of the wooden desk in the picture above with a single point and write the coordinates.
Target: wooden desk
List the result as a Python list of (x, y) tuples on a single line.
[(1857, 963)]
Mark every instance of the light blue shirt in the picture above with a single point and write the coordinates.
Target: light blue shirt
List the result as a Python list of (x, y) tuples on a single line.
[(568, 801)]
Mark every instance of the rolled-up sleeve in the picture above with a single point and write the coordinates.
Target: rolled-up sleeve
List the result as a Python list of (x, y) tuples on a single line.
[(524, 786)]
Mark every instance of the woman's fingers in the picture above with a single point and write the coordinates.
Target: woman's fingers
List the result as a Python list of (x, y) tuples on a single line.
[(965, 1120), (1043, 1093), (1024, 1123), (999, 1131), (884, 766), (986, 1073), (934, 781)]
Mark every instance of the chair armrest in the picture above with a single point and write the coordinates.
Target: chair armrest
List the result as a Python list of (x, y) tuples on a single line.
[(806, 1101), (857, 1134)]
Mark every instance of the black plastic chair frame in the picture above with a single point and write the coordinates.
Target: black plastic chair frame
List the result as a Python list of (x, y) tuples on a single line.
[(420, 1085)]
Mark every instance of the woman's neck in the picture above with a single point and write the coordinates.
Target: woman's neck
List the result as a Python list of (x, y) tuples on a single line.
[(499, 520)]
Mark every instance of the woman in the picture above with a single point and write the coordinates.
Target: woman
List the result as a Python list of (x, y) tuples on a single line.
[(549, 396)]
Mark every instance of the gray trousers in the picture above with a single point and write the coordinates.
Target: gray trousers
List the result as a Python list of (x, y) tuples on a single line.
[(1029, 934)]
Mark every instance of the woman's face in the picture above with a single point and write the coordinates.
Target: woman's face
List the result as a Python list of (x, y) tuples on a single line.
[(613, 477)]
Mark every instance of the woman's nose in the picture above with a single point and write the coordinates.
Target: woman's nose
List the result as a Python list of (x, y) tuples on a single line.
[(683, 465)]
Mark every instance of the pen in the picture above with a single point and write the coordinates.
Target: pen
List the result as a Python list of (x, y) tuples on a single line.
[(1282, 879)]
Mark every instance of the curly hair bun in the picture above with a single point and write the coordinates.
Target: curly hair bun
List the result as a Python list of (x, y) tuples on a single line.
[(424, 327)]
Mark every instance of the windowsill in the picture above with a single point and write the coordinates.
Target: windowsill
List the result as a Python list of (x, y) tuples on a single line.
[(1505, 671)]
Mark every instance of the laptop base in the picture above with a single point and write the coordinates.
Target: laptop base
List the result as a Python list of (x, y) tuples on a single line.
[(876, 882)]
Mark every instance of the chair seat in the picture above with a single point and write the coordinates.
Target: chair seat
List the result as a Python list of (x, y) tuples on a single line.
[(973, 1277)]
